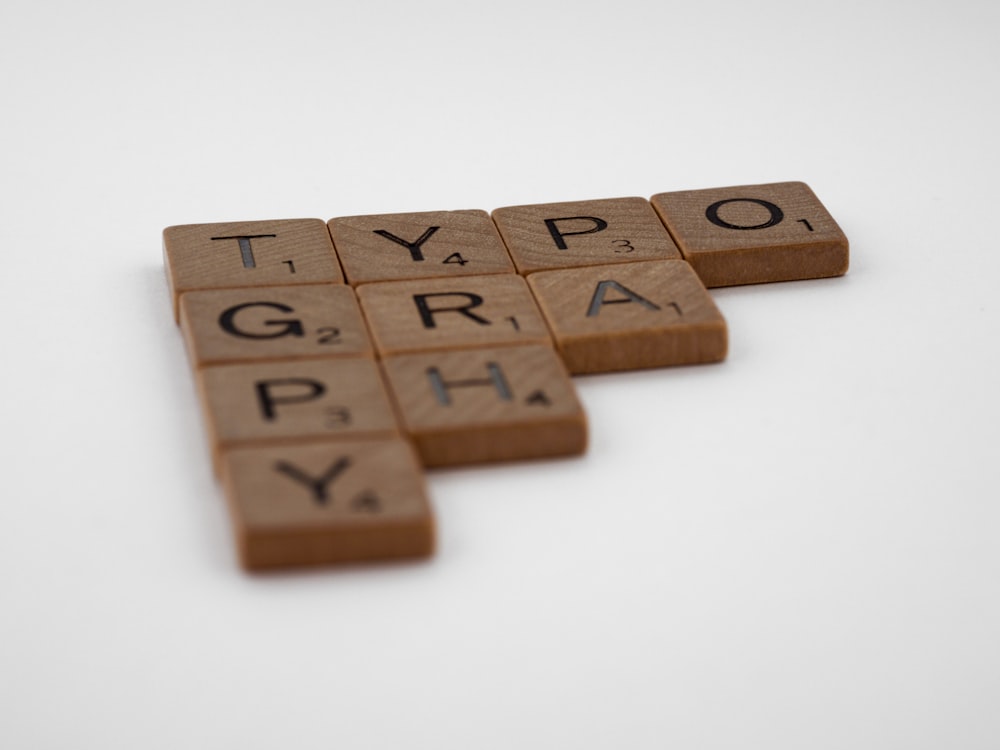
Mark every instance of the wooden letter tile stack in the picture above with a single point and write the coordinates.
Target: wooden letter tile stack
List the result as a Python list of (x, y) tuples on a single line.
[(335, 361)]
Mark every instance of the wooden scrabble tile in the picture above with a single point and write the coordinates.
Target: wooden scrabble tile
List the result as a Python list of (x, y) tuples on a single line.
[(434, 314), (285, 401), (630, 316), (285, 322), (583, 233), (248, 253), (754, 233), (478, 405), (327, 502), (421, 245)]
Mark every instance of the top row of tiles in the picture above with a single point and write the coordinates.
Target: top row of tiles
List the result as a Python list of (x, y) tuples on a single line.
[(733, 235)]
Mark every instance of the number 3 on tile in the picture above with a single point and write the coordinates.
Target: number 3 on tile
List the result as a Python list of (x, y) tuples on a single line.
[(337, 416)]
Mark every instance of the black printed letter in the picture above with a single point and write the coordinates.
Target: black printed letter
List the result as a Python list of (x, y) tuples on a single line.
[(318, 485), (712, 213), (602, 287), (287, 327), (427, 314), (267, 401), (496, 379), (413, 247), (599, 224), (246, 252)]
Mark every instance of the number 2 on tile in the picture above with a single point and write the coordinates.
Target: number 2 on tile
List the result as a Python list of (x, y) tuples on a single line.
[(328, 335)]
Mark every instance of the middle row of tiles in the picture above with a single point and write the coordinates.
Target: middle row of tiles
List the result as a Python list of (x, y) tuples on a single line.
[(600, 318)]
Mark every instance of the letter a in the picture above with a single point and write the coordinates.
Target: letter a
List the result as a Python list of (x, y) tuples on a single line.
[(598, 301)]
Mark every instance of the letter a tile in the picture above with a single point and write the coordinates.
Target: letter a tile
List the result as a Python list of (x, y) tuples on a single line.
[(630, 316), (754, 233), (484, 405), (327, 502)]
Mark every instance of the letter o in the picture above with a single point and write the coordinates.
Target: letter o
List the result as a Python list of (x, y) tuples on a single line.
[(712, 213)]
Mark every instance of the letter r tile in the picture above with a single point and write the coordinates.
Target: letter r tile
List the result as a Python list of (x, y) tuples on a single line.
[(630, 316), (479, 405), (248, 253), (327, 502), (470, 311), (583, 233)]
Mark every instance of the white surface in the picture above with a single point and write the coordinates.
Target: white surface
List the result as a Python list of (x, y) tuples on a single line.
[(795, 549)]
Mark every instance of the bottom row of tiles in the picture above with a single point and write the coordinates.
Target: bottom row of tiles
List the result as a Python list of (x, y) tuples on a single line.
[(327, 502)]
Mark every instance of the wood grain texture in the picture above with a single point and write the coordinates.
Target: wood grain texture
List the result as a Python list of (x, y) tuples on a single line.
[(583, 233), (752, 234), (630, 316), (383, 247), (327, 502), (248, 253), (437, 314), (273, 402), (483, 405), (288, 322)]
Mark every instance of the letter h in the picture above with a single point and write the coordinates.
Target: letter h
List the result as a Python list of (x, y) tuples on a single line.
[(442, 387)]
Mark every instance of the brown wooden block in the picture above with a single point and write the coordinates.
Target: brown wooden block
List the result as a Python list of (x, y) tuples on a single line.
[(428, 244), (754, 233), (327, 502), (583, 233), (286, 322), (435, 314), (271, 402), (248, 253), (630, 316), (479, 405)]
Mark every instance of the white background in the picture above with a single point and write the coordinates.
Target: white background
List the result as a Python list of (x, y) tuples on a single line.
[(797, 548)]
